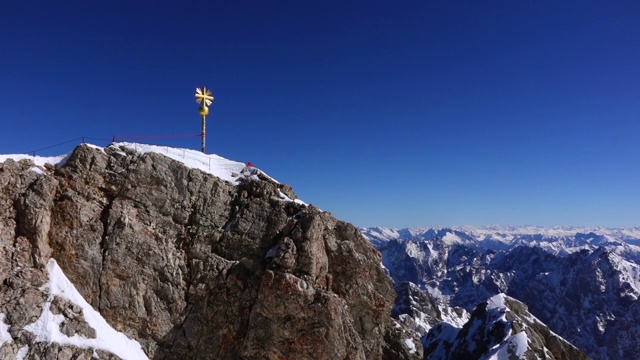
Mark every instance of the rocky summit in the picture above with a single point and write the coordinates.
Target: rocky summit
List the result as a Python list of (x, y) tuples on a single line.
[(121, 253)]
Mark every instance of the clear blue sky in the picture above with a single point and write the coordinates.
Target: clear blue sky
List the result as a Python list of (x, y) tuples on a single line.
[(386, 113)]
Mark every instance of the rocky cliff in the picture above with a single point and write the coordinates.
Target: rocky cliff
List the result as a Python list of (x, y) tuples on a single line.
[(184, 263)]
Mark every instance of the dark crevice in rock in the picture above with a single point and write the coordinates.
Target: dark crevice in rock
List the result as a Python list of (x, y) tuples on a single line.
[(104, 218), (180, 331), (16, 233), (19, 220), (189, 279), (238, 204), (19, 211), (92, 162)]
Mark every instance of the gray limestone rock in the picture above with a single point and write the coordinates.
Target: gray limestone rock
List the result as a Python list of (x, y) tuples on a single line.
[(177, 259), (74, 322), (286, 254)]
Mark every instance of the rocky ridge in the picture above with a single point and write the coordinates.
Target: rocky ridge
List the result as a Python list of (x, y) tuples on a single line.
[(185, 264), (499, 328)]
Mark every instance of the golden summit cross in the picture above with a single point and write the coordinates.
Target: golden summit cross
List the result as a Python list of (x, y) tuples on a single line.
[(203, 97)]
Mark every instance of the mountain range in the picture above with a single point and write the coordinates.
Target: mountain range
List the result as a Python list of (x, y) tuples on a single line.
[(583, 283)]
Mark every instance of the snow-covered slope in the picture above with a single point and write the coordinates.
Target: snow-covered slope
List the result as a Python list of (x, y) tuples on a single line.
[(68, 320)]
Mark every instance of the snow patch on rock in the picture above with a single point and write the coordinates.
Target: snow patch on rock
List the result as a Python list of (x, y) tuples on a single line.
[(5, 337), (513, 347), (47, 327)]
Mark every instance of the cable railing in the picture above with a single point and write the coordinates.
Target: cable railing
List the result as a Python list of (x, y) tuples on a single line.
[(79, 140), (114, 138)]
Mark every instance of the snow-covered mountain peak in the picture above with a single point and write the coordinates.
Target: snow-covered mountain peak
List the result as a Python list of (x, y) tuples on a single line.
[(499, 328), (232, 171), (496, 302), (225, 169), (555, 240)]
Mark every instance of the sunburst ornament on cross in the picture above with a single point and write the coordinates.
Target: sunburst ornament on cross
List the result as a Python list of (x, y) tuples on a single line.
[(204, 98)]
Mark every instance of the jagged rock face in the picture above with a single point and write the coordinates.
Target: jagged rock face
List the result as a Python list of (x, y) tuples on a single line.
[(498, 328), (415, 313), (187, 264), (419, 311), (589, 297)]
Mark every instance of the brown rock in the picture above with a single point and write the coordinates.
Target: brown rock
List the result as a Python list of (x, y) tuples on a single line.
[(177, 259)]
